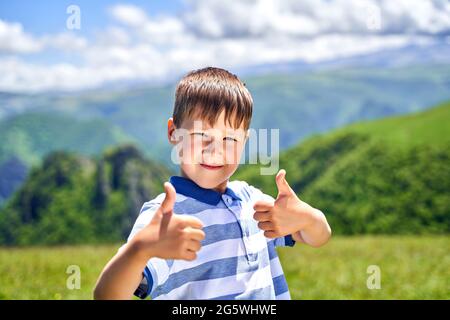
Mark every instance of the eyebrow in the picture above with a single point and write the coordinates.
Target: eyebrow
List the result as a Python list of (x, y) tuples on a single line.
[(235, 133)]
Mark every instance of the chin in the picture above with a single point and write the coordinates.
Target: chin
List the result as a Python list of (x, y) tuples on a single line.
[(207, 183), (207, 180)]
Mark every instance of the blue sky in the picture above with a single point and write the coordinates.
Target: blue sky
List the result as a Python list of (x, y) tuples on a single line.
[(155, 41), (46, 16)]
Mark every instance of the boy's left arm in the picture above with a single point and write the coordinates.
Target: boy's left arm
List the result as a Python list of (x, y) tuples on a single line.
[(290, 215)]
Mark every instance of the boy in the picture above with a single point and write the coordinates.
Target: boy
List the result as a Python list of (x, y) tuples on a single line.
[(207, 237)]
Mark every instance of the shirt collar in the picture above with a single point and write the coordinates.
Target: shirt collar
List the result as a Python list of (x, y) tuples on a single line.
[(189, 188)]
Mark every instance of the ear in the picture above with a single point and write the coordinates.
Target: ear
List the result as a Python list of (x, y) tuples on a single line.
[(171, 131)]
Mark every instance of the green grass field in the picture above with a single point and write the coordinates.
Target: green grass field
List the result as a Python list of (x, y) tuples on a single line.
[(411, 268)]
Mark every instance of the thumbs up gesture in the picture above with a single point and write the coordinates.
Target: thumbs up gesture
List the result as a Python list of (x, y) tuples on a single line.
[(168, 235), (287, 215)]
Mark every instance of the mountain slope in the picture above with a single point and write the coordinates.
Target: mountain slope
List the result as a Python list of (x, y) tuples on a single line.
[(385, 176), (73, 199), (299, 103), (28, 137)]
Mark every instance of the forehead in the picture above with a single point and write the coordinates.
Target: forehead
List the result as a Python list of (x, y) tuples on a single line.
[(221, 123)]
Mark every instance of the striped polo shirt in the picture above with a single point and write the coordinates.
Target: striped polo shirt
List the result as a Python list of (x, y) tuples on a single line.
[(236, 260)]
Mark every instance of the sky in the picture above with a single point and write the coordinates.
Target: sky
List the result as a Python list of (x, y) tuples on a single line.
[(76, 45)]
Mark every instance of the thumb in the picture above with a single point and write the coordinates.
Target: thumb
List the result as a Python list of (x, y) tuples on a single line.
[(165, 210), (283, 187), (169, 200)]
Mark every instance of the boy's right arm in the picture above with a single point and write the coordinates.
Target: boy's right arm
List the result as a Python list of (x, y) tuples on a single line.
[(167, 236)]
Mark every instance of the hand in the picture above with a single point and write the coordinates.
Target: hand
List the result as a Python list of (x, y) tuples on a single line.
[(287, 215), (168, 235)]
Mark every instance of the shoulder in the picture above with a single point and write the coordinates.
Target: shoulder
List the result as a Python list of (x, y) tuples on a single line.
[(154, 203), (248, 192), (147, 211)]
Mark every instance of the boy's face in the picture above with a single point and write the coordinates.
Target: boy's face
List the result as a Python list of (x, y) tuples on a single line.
[(208, 155)]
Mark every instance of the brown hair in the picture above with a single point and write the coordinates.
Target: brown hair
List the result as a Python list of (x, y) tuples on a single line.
[(206, 92)]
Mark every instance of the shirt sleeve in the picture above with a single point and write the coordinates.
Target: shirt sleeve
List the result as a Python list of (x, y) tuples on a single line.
[(256, 195), (156, 271)]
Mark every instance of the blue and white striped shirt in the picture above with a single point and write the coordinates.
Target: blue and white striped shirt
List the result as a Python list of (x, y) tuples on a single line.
[(236, 260)]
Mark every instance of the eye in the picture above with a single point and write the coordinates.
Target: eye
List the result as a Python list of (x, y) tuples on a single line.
[(230, 139), (201, 135)]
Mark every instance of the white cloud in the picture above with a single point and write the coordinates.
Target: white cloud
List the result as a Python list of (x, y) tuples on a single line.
[(113, 35), (129, 14), (65, 41), (216, 18), (16, 74), (228, 34), (14, 40)]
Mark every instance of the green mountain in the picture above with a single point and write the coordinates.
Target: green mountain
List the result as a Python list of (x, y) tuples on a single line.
[(388, 176), (299, 103), (75, 199), (28, 137)]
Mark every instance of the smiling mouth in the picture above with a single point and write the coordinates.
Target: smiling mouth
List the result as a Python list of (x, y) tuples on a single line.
[(210, 167)]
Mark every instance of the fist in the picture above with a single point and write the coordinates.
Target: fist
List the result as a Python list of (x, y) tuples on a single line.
[(287, 215), (168, 235)]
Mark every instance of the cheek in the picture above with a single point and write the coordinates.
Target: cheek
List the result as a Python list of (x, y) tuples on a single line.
[(190, 151), (233, 152), (189, 169)]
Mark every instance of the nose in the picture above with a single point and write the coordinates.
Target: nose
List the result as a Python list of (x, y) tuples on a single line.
[(214, 147)]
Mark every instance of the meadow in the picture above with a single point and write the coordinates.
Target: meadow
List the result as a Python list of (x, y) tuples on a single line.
[(411, 268)]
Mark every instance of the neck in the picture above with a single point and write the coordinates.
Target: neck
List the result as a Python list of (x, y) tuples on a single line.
[(219, 188)]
